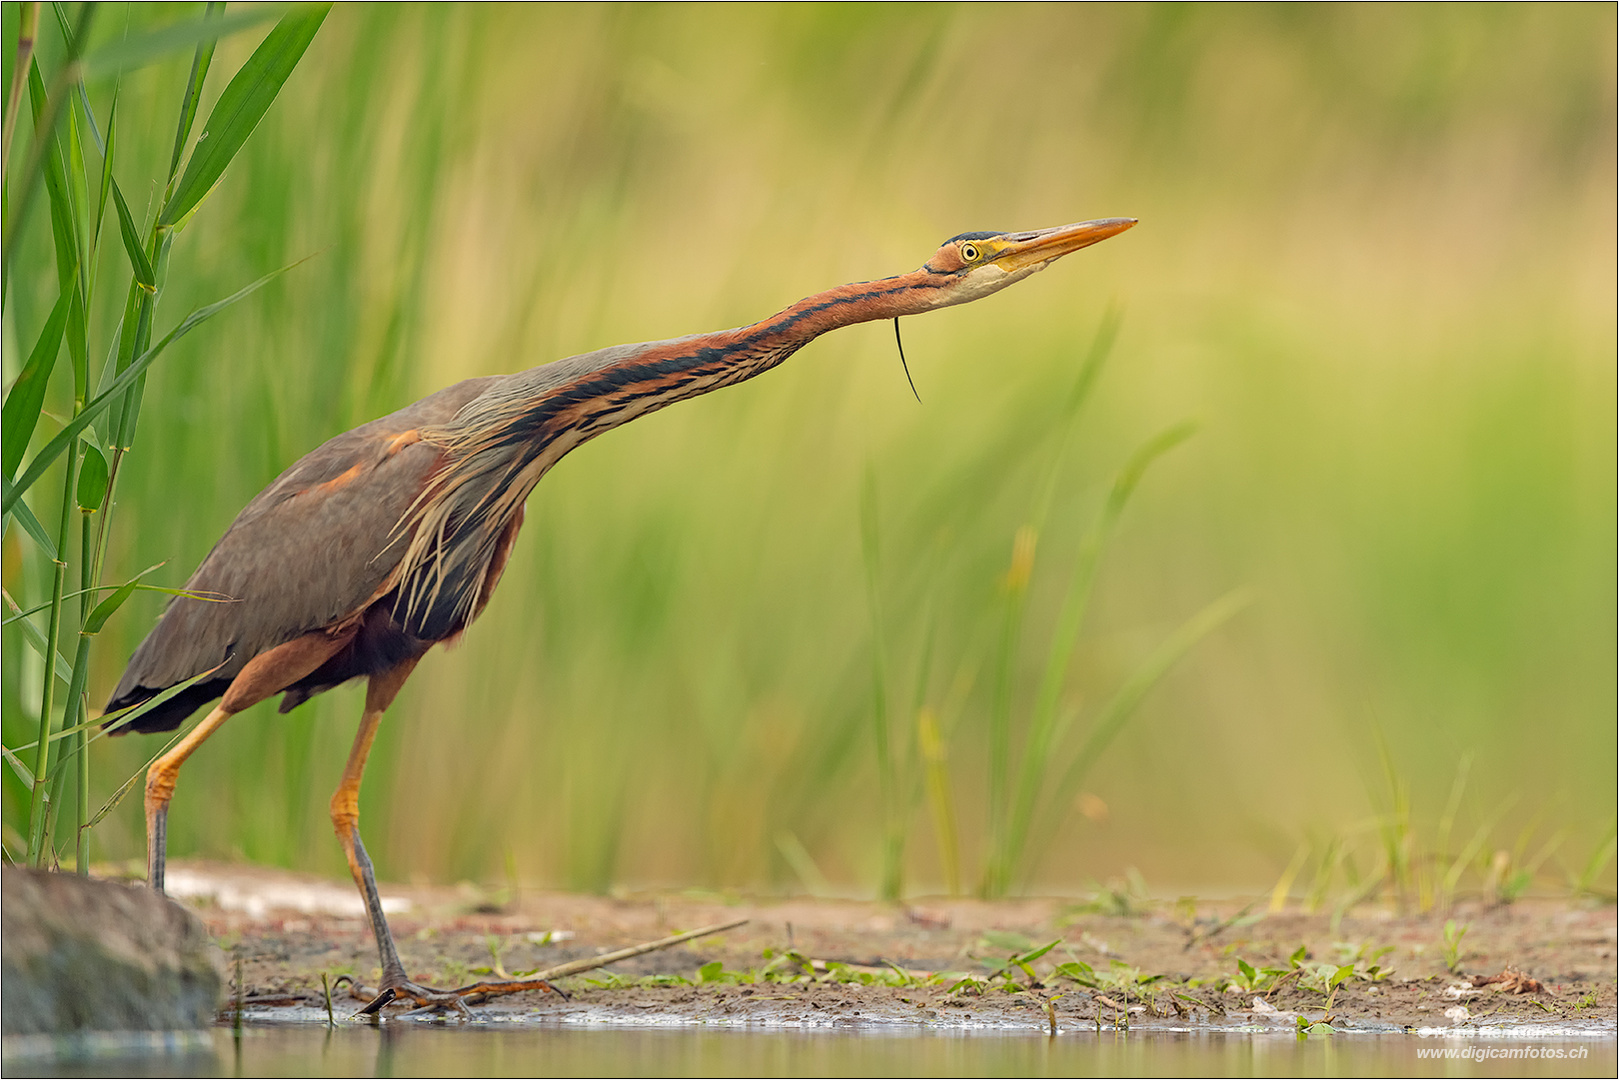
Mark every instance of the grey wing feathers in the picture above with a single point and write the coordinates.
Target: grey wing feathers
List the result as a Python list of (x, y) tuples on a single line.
[(310, 550)]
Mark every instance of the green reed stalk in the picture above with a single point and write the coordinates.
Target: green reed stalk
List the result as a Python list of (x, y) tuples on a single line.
[(81, 740), (38, 798), (68, 197)]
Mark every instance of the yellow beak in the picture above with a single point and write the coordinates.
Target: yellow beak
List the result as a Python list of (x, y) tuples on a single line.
[(1045, 245)]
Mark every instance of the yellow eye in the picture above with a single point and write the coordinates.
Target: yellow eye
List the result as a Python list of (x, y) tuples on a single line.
[(969, 252)]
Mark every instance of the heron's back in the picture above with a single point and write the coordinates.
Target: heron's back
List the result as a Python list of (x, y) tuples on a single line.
[(314, 548)]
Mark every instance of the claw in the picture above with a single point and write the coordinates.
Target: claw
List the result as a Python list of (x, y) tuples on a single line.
[(377, 1002)]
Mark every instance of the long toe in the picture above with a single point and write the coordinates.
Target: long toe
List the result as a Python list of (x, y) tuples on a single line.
[(429, 1001)]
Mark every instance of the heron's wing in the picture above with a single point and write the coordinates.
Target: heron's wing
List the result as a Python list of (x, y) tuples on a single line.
[(312, 549)]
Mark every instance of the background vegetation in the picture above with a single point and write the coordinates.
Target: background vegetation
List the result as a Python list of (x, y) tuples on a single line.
[(1376, 266)]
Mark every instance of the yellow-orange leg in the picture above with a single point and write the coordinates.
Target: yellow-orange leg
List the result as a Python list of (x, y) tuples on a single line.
[(379, 695), (395, 984), (160, 789), (265, 675)]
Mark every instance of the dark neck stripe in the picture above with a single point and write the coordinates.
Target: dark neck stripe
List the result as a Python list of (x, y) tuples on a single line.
[(663, 376)]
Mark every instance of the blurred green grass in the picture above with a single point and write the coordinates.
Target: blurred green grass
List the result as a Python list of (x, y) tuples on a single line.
[(1376, 263)]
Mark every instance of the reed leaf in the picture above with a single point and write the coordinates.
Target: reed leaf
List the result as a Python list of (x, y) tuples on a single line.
[(104, 610), (145, 277), (53, 449), (20, 414), (36, 640), (92, 489), (201, 60), (109, 147), (31, 526), (190, 594), (240, 108), (55, 184)]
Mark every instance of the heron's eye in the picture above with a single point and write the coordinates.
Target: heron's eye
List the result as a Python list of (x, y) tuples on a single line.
[(969, 253)]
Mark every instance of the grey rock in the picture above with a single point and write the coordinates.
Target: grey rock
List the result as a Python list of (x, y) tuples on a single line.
[(80, 954)]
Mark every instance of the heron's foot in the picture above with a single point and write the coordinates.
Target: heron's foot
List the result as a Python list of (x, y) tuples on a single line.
[(428, 1001)]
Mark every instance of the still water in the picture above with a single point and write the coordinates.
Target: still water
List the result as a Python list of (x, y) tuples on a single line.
[(410, 1049)]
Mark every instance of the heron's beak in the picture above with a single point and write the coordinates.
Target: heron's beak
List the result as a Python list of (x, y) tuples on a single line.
[(1047, 245)]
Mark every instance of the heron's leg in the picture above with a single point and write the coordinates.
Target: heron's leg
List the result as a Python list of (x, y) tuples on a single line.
[(265, 675), (345, 807), (395, 983), (160, 789)]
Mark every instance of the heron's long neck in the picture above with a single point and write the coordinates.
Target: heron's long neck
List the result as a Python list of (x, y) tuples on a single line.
[(562, 408), (845, 305), (675, 370)]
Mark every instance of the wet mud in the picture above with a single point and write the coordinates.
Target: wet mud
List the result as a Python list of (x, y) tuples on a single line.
[(1535, 966)]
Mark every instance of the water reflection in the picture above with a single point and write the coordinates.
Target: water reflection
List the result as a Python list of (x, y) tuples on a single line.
[(407, 1049)]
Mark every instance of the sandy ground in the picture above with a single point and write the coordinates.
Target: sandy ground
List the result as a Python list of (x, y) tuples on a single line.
[(1179, 963)]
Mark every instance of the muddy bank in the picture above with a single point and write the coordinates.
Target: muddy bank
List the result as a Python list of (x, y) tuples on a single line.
[(932, 962)]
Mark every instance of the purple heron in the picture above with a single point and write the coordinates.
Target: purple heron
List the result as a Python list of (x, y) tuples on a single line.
[(390, 538)]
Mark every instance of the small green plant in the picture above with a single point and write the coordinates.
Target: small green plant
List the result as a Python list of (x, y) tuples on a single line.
[(967, 984), (1080, 972), (902, 978), (608, 980), (1250, 979), (1364, 959), (1120, 978), (1126, 979), (892, 975), (1420, 864), (786, 965), (666, 978), (715, 971), (1373, 973), (1324, 978), (496, 945), (1022, 961), (1453, 944)]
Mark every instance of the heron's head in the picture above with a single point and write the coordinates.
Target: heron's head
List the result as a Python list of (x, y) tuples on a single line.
[(976, 264)]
